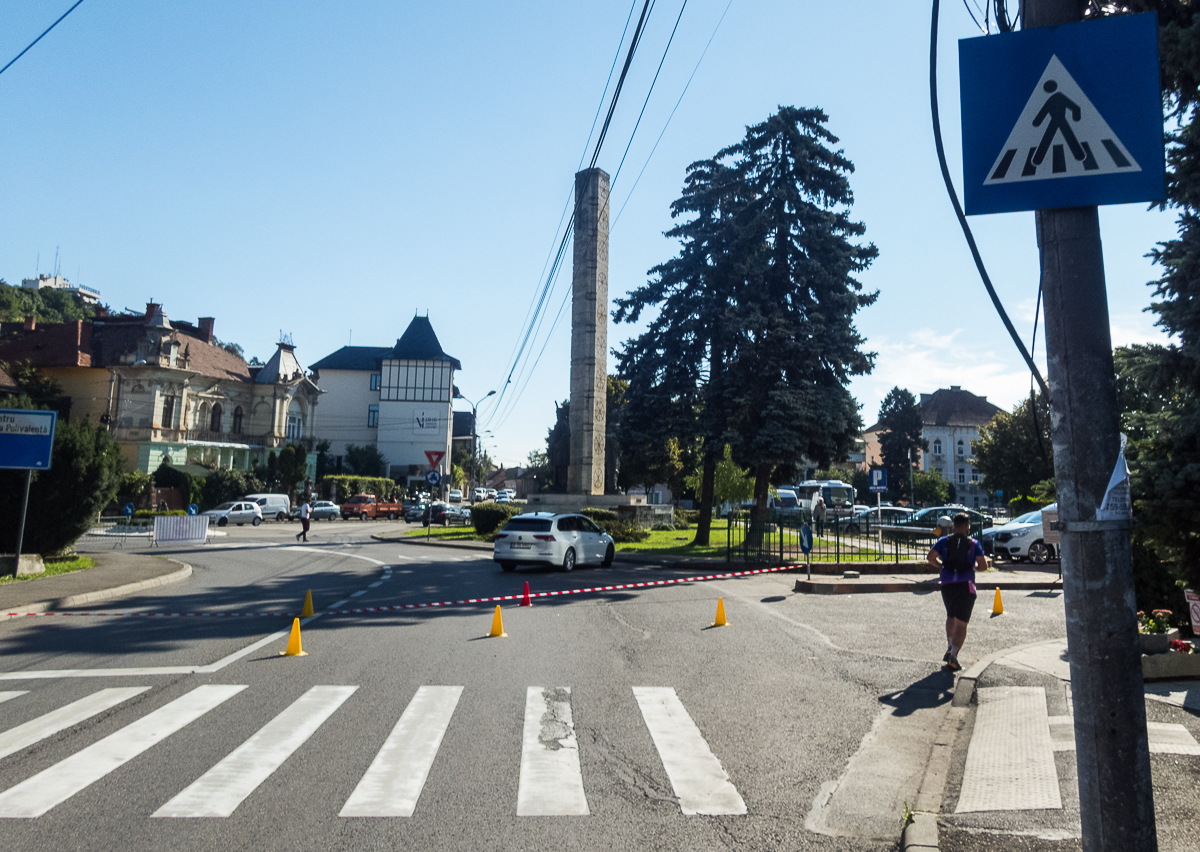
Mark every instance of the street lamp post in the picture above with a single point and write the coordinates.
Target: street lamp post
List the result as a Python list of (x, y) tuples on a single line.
[(474, 406)]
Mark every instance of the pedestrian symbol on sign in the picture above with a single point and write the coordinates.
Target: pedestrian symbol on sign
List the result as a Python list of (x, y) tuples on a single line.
[(1059, 119)]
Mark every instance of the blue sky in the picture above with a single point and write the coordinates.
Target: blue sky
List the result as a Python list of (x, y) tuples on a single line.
[(329, 170)]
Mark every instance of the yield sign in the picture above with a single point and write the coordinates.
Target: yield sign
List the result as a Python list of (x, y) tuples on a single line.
[(1059, 134), (435, 457)]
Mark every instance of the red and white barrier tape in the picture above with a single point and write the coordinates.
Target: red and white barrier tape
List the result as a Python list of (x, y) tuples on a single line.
[(395, 607)]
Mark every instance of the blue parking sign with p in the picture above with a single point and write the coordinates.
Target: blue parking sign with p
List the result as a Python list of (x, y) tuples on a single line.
[(878, 482)]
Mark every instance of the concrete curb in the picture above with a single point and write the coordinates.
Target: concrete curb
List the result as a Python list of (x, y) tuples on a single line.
[(176, 576), (965, 687), (920, 834)]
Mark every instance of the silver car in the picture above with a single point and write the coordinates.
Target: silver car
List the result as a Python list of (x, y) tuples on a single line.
[(239, 512), (1020, 539), (542, 538)]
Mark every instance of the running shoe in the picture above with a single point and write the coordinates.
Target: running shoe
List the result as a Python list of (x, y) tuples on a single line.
[(946, 658), (953, 664)]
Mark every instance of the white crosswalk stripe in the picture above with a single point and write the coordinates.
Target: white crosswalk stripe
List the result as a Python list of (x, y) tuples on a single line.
[(218, 792), (53, 786), (23, 736), (550, 783), (697, 777), (9, 695), (393, 783)]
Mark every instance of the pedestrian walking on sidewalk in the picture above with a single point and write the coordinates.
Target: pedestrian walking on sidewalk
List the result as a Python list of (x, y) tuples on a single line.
[(305, 511), (818, 513), (958, 556)]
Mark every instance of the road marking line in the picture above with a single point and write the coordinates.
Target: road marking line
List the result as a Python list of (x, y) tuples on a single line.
[(697, 777), (25, 735), (54, 785), (551, 783), (1010, 761), (339, 603), (375, 585), (11, 694), (393, 783), (359, 592), (219, 791)]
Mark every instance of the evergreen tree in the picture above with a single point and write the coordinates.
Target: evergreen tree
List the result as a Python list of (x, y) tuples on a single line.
[(900, 417)]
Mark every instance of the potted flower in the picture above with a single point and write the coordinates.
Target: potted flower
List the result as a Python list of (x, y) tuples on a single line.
[(1156, 631)]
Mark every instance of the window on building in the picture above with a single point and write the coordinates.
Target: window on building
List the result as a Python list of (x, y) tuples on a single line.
[(237, 420), (937, 446), (962, 476), (293, 427), (168, 413), (375, 381), (961, 447), (974, 476), (372, 415), (214, 423)]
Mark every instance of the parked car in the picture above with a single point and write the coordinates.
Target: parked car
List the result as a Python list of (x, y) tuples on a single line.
[(927, 518), (510, 493), (276, 506), (490, 494), (238, 512), (503, 498), (445, 515), (1020, 539), (415, 511), (543, 538), (320, 510), (455, 495), (871, 518), (478, 495), (363, 506)]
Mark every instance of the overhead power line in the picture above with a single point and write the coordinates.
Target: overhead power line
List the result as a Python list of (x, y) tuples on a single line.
[(42, 36)]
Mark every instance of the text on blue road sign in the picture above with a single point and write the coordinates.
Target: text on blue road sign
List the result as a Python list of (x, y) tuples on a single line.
[(26, 439)]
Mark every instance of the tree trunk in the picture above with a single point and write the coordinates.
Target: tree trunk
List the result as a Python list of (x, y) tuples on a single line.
[(758, 515), (707, 481)]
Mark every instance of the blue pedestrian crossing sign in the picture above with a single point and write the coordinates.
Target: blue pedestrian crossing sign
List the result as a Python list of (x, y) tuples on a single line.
[(878, 481), (1062, 116)]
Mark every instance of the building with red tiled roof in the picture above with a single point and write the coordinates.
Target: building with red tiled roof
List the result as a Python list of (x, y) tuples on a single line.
[(169, 390)]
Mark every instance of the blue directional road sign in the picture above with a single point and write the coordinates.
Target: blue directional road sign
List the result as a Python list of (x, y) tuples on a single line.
[(433, 477), (26, 439), (1062, 116), (193, 509), (878, 480), (128, 510), (806, 538)]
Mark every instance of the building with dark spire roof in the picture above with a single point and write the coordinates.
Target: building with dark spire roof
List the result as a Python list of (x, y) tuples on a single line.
[(396, 399)]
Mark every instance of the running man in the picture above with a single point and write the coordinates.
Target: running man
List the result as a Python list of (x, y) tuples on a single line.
[(958, 556), (305, 511)]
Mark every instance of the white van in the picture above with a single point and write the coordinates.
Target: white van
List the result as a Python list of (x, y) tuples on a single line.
[(276, 506)]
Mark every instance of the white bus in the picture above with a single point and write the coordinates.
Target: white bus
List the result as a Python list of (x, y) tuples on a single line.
[(839, 496)]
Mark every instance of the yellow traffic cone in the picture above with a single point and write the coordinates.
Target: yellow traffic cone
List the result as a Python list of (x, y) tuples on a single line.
[(293, 648), (307, 612), (998, 605), (497, 624), (721, 620)]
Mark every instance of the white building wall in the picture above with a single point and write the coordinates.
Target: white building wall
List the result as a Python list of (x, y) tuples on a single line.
[(415, 414), (342, 416), (955, 468)]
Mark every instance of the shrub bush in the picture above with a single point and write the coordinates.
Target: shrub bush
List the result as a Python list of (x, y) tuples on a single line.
[(687, 517), (601, 516), (342, 488), (145, 513), (626, 533), (488, 518), (225, 484), (664, 528)]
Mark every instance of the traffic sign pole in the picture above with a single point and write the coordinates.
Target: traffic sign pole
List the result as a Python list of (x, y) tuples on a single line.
[(21, 523), (1116, 799)]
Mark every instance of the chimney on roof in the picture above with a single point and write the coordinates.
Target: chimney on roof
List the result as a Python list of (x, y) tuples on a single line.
[(955, 387), (30, 323), (150, 307), (206, 328)]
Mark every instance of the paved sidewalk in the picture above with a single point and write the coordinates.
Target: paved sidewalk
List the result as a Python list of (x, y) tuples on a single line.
[(1018, 579), (1008, 779), (116, 574)]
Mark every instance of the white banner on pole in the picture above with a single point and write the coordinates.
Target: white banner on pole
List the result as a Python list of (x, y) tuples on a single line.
[(181, 529)]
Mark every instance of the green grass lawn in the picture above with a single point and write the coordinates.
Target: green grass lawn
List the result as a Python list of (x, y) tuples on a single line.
[(466, 533), (55, 566), (679, 542)]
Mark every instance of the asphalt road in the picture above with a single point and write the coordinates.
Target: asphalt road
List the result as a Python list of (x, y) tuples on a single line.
[(781, 699)]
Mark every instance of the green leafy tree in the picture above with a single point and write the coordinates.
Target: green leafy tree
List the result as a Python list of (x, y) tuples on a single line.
[(225, 484), (364, 460), (930, 488), (1013, 454), (46, 306), (900, 417), (85, 472), (732, 484), (322, 448)]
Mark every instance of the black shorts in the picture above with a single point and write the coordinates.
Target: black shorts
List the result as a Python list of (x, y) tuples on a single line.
[(959, 600)]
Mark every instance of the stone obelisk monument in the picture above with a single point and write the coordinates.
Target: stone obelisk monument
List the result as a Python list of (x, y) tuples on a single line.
[(589, 334)]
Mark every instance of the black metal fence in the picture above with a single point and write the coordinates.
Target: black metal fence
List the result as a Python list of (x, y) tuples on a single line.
[(836, 540)]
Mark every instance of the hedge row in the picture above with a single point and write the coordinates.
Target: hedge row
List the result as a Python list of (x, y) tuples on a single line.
[(342, 488), (488, 518), (146, 513)]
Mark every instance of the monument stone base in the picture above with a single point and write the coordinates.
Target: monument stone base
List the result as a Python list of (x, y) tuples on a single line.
[(31, 563), (631, 508)]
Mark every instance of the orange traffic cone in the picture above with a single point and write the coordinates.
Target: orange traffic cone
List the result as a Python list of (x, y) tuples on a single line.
[(998, 604), (307, 612), (293, 646), (721, 620), (525, 599), (497, 624)]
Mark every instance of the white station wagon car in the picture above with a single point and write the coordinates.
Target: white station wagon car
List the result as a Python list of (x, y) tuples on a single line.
[(542, 538), (240, 512)]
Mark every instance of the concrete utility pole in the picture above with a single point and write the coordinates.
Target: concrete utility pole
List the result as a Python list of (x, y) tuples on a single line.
[(1116, 800)]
